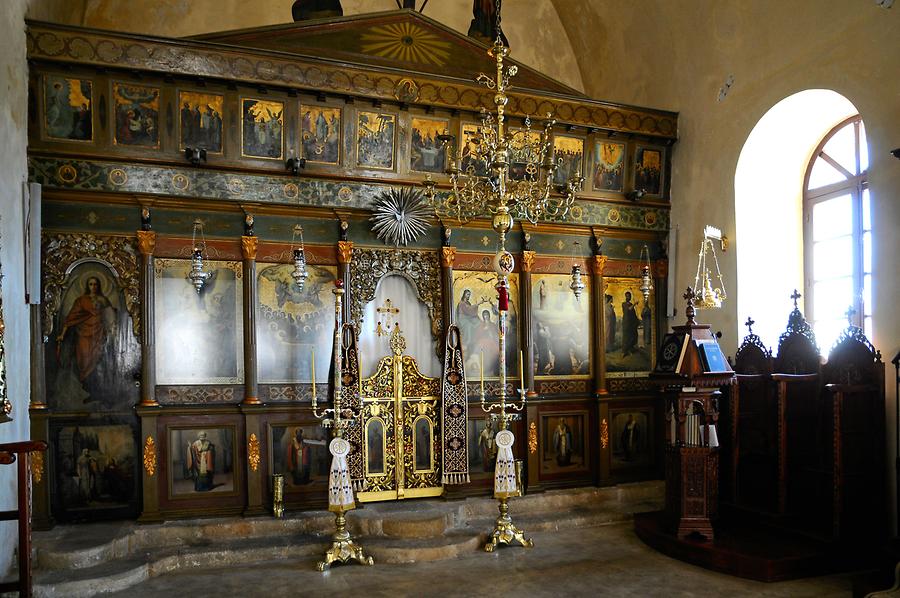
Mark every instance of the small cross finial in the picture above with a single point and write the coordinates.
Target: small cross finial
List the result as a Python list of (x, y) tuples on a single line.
[(749, 324), (850, 313), (795, 295)]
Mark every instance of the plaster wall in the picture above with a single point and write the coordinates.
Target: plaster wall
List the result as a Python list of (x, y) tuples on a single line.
[(532, 27), (677, 55), (13, 140)]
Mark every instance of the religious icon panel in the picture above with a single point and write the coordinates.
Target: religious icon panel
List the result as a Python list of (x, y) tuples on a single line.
[(523, 151), (648, 169), (198, 335), (482, 447), (477, 316), (68, 108), (320, 130), (631, 438), (562, 327), (563, 443), (201, 461), (375, 139), (200, 120), (95, 469), (609, 166), (262, 129), (630, 327), (427, 153), (469, 136), (291, 322), (300, 453), (570, 158), (92, 353), (136, 115)]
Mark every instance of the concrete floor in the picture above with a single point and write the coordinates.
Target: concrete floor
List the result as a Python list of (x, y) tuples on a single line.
[(597, 561)]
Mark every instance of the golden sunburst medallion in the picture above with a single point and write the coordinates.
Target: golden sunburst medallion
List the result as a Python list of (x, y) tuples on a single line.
[(407, 42)]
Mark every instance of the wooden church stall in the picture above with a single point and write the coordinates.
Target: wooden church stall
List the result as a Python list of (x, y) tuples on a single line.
[(158, 400)]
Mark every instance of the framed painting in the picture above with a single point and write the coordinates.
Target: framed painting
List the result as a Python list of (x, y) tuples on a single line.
[(200, 120), (608, 172), (630, 328), (202, 461), (648, 169), (563, 442), (320, 132), (631, 437), (477, 315), (68, 108), (299, 452), (562, 331), (482, 448), (198, 335), (469, 135), (522, 146), (569, 157), (427, 153), (262, 129), (95, 470), (136, 115), (375, 132), (290, 322), (376, 447), (93, 355)]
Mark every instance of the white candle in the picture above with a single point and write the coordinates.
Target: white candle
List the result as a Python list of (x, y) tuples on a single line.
[(482, 372), (313, 376), (521, 372)]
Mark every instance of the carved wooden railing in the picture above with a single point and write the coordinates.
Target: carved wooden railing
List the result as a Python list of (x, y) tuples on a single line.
[(20, 452)]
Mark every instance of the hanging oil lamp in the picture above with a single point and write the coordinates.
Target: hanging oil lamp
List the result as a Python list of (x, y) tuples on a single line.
[(197, 275), (577, 284), (299, 273), (707, 296), (646, 280)]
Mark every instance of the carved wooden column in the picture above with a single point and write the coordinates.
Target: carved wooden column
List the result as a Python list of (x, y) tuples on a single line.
[(345, 256), (249, 246), (604, 455), (527, 344), (599, 301), (40, 424), (146, 245), (448, 256)]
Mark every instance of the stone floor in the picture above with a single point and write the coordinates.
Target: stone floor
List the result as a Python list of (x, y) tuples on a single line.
[(607, 560)]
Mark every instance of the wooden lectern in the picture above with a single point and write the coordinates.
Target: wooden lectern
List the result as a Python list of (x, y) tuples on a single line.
[(690, 369)]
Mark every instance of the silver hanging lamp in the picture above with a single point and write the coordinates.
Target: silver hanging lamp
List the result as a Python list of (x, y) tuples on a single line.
[(646, 279), (577, 284), (197, 275)]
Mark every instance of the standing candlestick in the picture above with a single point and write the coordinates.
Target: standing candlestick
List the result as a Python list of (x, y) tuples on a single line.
[(482, 373), (340, 490), (313, 369)]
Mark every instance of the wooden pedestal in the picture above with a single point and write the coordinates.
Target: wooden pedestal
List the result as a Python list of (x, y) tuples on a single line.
[(692, 482)]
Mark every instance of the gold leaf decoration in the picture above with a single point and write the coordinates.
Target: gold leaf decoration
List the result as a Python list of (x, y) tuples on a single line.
[(37, 466), (150, 456), (604, 434), (253, 452), (532, 438)]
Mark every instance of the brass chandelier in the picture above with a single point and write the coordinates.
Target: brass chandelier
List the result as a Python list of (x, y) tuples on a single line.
[(501, 173)]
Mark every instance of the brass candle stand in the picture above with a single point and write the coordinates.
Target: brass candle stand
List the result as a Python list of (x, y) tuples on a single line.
[(505, 531), (343, 548)]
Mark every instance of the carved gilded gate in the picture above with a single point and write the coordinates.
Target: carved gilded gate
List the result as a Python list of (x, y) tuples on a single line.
[(401, 429)]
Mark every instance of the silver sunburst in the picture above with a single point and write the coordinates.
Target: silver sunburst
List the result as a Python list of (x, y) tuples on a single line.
[(400, 216)]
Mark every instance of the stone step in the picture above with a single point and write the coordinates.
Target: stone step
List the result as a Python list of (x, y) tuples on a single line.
[(82, 560)]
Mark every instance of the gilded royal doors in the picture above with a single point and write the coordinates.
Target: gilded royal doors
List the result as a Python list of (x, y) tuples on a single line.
[(401, 429)]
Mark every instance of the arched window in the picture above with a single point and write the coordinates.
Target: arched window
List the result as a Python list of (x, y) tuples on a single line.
[(837, 233)]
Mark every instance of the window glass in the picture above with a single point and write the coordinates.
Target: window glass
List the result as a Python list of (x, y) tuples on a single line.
[(866, 211), (831, 298), (833, 258), (842, 148), (863, 148), (832, 218), (867, 253), (867, 327), (827, 332), (823, 174), (867, 294)]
